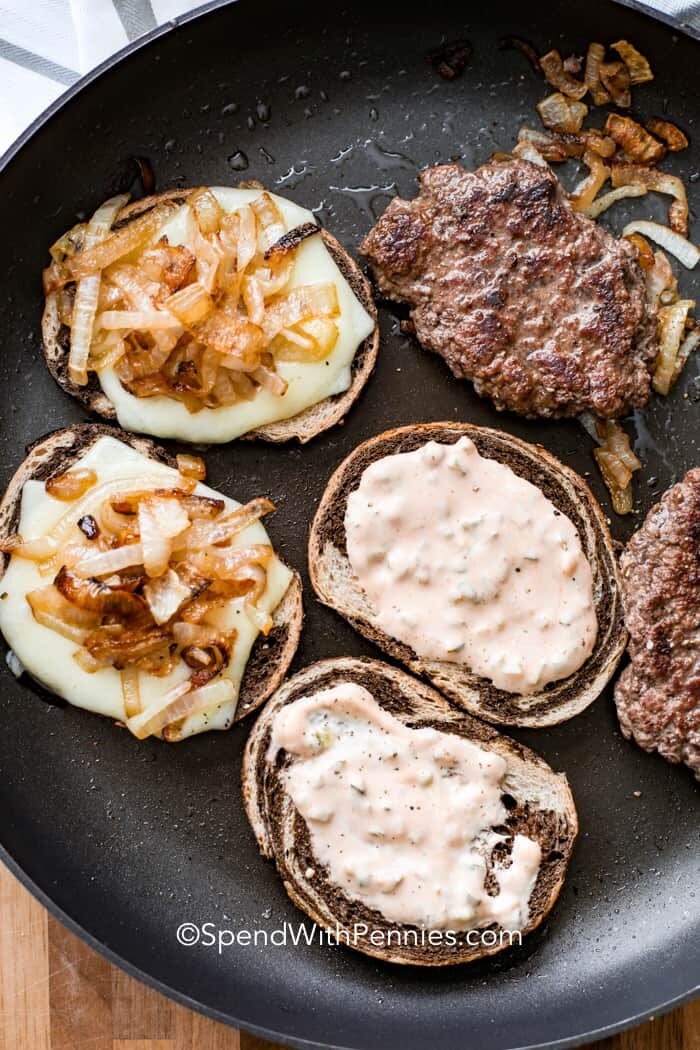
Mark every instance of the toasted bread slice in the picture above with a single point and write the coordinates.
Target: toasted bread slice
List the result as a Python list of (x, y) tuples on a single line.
[(303, 426), (270, 656), (334, 583), (538, 801)]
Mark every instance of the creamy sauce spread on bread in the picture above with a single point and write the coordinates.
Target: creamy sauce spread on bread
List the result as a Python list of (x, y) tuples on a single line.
[(467, 562), (402, 818)]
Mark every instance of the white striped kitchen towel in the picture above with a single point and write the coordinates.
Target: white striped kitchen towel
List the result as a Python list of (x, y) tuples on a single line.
[(46, 45)]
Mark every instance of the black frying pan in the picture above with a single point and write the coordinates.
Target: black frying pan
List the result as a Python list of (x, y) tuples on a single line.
[(126, 840)]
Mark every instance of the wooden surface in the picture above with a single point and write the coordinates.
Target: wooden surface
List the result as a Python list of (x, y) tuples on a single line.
[(57, 994)]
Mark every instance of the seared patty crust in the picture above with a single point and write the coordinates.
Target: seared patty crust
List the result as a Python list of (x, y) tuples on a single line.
[(539, 306), (658, 694)]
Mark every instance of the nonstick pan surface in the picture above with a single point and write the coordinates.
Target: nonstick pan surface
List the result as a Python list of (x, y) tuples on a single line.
[(125, 841)]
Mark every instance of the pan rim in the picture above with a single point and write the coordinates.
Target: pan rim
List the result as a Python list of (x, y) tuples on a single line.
[(578, 1039), (163, 30)]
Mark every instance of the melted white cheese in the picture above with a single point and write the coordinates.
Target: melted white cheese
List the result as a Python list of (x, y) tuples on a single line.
[(308, 383), (48, 656)]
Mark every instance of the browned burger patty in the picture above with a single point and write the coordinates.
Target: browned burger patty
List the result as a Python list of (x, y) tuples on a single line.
[(658, 694), (540, 307)]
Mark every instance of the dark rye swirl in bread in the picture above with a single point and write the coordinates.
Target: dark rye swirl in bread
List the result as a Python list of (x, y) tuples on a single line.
[(532, 805), (337, 585)]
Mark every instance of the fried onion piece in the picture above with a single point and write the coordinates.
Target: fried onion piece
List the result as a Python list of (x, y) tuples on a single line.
[(687, 347), (615, 79), (191, 304), (684, 250), (583, 195), (167, 264), (555, 74), (94, 596), (229, 563), (597, 142), (40, 549), (50, 609), (618, 480), (558, 146), (180, 702), (206, 209), (559, 113), (70, 485), (167, 594), (302, 303), (309, 341), (528, 151), (119, 646), (672, 326), (637, 143), (662, 283), (69, 244), (660, 182), (131, 690), (617, 463), (87, 289), (601, 204), (672, 136), (191, 466), (291, 240), (591, 77), (638, 67), (645, 252), (161, 519), (205, 534), (120, 243)]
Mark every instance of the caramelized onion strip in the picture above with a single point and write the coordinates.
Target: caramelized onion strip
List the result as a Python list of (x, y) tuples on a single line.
[(584, 194), (635, 140), (204, 534), (554, 72), (180, 702), (671, 326), (559, 113), (88, 290), (602, 203), (120, 243), (131, 691), (686, 252), (637, 65), (660, 182), (591, 77)]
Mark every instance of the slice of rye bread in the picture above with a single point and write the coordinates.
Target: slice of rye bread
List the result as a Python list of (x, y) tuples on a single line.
[(270, 656), (538, 801), (334, 583), (303, 426)]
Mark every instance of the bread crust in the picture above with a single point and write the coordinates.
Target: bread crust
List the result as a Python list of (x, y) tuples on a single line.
[(333, 581), (270, 656), (540, 805), (305, 425)]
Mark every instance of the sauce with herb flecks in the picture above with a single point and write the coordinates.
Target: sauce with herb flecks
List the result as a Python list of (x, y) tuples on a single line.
[(467, 562)]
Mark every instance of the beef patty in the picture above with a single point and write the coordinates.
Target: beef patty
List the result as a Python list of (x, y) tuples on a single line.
[(540, 307), (658, 694)]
